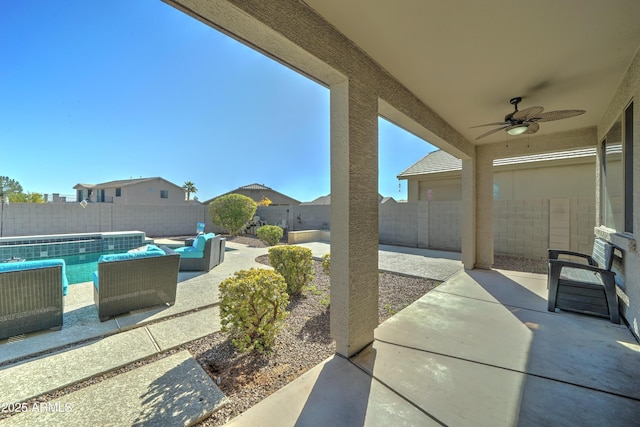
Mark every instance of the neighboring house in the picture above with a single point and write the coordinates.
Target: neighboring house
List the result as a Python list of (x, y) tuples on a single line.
[(258, 191), (142, 191), (572, 173), (326, 200)]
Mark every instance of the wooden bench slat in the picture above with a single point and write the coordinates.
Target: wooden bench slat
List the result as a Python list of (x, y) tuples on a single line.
[(599, 301)]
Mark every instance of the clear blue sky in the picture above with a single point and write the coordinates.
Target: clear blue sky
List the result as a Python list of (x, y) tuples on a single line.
[(94, 91)]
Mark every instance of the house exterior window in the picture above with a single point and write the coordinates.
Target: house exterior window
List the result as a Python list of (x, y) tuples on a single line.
[(164, 194), (118, 192), (617, 179)]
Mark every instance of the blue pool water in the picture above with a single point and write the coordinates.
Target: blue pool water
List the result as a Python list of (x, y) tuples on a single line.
[(80, 268)]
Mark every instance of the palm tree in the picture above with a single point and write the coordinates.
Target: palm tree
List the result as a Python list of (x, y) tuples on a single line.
[(189, 187)]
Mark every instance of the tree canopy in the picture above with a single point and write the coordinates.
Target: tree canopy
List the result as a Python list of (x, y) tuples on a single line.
[(11, 190), (189, 187), (232, 212)]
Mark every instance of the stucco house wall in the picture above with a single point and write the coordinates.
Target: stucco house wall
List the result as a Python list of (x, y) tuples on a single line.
[(568, 177), (258, 191), (142, 191), (626, 240)]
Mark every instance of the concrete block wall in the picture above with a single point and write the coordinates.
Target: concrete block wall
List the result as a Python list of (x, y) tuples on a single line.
[(401, 224), (445, 225), (583, 220), (299, 217), (24, 219), (521, 227)]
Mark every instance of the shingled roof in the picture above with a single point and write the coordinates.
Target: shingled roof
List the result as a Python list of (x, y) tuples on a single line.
[(122, 183), (441, 161)]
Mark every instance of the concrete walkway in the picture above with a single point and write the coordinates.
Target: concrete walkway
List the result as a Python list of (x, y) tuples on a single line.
[(436, 265)]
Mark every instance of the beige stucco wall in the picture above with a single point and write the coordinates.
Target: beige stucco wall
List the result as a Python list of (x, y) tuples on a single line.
[(360, 91), (629, 293), (148, 193), (530, 181), (275, 197), (442, 189)]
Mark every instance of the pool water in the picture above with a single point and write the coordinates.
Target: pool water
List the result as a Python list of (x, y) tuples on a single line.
[(80, 268)]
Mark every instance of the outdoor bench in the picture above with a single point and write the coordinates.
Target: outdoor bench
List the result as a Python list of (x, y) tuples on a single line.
[(31, 296), (584, 288)]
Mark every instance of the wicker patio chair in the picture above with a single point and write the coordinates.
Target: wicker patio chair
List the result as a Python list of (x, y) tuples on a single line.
[(213, 255), (135, 284), (31, 300)]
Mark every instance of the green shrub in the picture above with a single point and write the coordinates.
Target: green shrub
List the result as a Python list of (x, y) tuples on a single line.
[(270, 234), (295, 264), (326, 264), (232, 212), (253, 307)]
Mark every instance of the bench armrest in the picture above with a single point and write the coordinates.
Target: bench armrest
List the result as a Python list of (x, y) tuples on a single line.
[(560, 263), (554, 253)]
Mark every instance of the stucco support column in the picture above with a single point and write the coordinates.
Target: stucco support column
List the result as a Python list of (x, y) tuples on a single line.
[(468, 213), (484, 208), (354, 216)]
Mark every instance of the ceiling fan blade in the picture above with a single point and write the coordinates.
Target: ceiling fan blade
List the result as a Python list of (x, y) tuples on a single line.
[(491, 124), (532, 128), (491, 131), (527, 113), (558, 115)]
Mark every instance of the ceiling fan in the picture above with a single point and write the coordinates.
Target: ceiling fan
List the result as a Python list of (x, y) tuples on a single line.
[(526, 121)]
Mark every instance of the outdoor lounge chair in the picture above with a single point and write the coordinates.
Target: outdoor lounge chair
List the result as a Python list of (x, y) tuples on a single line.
[(134, 281), (206, 252), (584, 288), (31, 296)]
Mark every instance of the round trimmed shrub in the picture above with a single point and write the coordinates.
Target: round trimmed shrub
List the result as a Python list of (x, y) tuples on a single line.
[(270, 234), (326, 264), (232, 212), (295, 264), (253, 308)]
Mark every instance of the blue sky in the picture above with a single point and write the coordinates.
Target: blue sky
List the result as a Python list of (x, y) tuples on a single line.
[(94, 91)]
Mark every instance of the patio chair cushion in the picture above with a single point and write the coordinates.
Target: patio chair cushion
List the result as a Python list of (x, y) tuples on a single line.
[(190, 252), (197, 248), (200, 241), (30, 265), (151, 251)]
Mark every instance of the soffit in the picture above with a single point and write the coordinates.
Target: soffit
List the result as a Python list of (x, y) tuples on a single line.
[(465, 59)]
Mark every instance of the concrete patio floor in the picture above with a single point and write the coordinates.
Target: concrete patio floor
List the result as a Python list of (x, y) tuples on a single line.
[(479, 350)]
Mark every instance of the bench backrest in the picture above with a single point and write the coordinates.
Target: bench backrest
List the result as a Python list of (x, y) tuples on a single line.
[(602, 253)]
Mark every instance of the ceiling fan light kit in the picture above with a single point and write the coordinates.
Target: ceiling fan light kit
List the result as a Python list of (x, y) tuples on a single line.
[(526, 121), (518, 130)]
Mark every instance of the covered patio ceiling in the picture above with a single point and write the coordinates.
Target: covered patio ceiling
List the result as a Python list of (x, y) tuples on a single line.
[(466, 59)]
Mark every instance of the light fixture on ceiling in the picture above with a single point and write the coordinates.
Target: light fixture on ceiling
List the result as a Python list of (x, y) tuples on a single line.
[(518, 130), (527, 121)]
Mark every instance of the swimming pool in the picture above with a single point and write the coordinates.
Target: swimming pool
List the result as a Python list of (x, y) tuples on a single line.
[(80, 251), (80, 268)]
